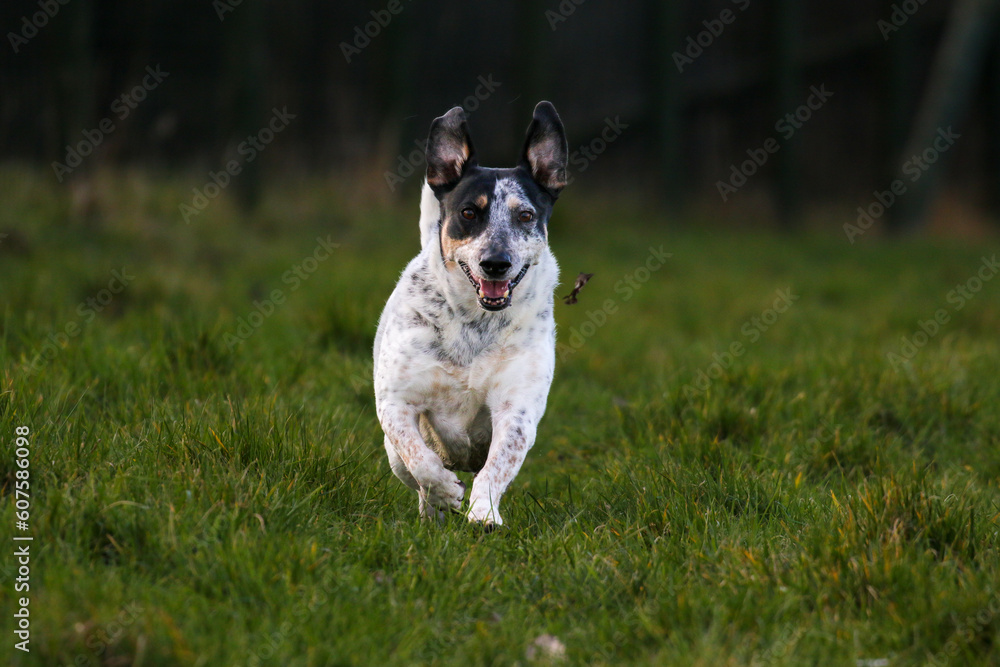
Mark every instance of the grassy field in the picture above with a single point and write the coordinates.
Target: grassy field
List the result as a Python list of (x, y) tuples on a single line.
[(734, 468)]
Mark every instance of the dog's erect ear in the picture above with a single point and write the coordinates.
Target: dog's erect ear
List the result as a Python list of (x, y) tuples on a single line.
[(545, 149), (449, 149)]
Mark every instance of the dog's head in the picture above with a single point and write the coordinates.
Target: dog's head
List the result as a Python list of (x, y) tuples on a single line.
[(494, 222)]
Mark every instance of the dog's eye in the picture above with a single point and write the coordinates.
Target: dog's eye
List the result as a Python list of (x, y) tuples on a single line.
[(526, 216), (469, 213)]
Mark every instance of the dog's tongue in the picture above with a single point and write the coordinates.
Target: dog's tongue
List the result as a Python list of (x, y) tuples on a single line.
[(494, 289)]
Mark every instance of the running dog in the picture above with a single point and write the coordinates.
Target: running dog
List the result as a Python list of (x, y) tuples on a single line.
[(465, 348)]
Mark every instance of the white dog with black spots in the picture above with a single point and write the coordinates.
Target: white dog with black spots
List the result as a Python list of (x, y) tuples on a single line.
[(465, 348)]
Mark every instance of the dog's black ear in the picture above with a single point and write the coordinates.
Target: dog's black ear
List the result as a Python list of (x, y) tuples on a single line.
[(545, 150), (449, 149)]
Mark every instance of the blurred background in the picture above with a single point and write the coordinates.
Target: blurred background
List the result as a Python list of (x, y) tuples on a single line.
[(783, 436), (755, 112)]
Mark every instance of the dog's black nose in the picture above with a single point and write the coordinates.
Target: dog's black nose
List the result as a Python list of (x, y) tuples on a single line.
[(495, 265)]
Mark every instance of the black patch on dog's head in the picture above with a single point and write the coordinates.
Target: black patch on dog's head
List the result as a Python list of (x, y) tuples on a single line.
[(476, 191)]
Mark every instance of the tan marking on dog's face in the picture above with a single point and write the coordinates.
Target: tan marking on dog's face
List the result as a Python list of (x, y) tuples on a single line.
[(450, 246), (515, 203), (482, 201)]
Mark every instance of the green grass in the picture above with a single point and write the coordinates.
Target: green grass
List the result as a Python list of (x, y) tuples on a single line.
[(201, 503)]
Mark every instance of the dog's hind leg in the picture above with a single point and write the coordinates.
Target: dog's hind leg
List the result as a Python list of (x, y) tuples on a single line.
[(416, 464)]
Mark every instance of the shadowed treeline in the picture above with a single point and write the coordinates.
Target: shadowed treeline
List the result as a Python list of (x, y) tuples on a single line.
[(746, 102)]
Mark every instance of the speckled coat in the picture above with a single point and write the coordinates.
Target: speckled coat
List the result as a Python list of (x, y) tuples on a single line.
[(459, 387)]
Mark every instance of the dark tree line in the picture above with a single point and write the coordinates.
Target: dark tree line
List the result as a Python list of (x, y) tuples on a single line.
[(713, 100)]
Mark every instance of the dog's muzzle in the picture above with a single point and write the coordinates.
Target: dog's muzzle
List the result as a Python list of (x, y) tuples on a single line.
[(493, 294)]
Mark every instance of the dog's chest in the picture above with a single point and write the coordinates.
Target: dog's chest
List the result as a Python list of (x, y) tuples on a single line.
[(456, 392), (457, 423)]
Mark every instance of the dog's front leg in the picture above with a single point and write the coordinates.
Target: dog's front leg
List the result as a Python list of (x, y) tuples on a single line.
[(513, 435), (439, 488)]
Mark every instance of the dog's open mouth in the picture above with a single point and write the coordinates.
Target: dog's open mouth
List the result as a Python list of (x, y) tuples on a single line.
[(493, 294)]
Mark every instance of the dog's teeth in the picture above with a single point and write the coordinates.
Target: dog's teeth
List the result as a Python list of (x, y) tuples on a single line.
[(506, 293)]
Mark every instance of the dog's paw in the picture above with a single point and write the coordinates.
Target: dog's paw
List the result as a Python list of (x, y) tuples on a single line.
[(485, 515), (444, 492)]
